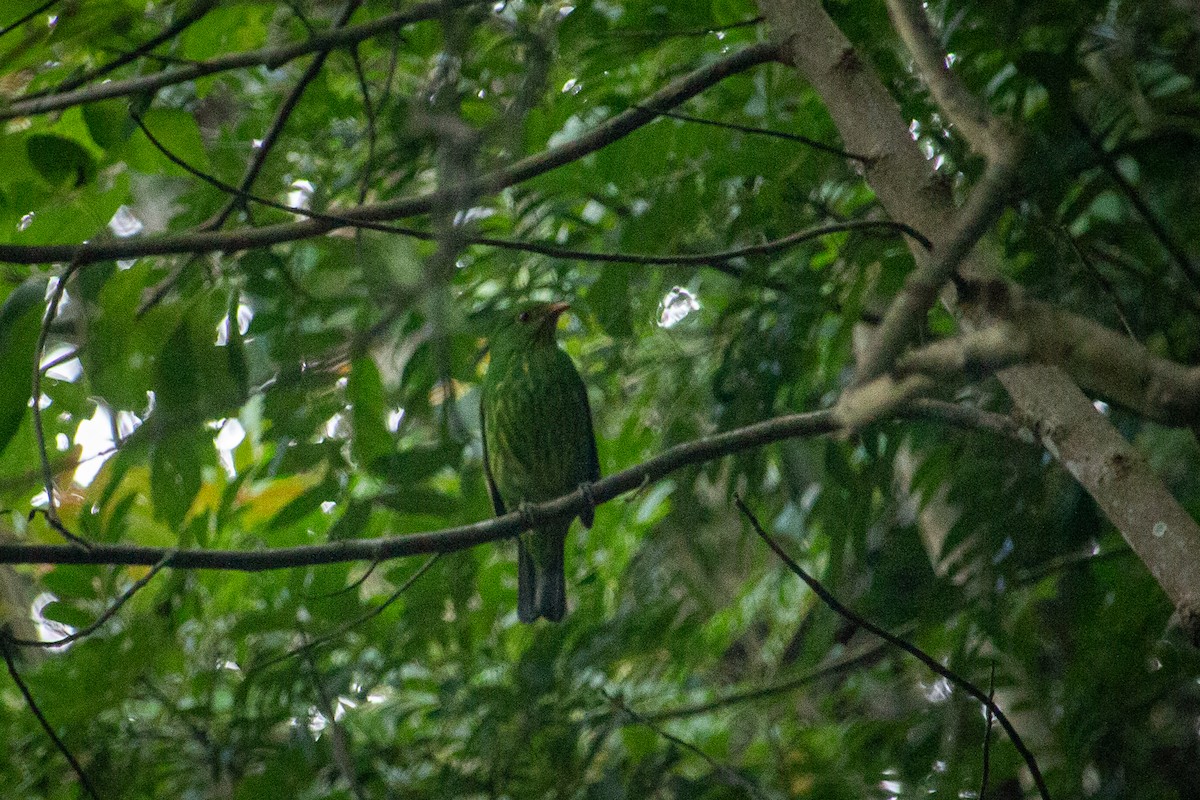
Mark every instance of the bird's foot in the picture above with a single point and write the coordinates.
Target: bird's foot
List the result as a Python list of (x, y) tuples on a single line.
[(526, 512)]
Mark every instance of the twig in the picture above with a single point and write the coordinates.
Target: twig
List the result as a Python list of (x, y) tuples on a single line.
[(962, 108), (985, 203), (282, 114), (607, 132), (832, 667), (39, 430), (86, 782), (689, 32), (987, 737), (340, 739), (270, 57), (1176, 252), (836, 606), (360, 74), (963, 416), (108, 612), (790, 137), (192, 16), (732, 776), (1105, 284), (309, 644), (38, 10), (352, 586), (719, 260), (923, 284)]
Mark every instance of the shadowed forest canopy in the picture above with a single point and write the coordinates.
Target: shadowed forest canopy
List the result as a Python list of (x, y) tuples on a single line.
[(908, 293)]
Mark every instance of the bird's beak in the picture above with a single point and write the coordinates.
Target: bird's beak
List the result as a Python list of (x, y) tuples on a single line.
[(554, 311)]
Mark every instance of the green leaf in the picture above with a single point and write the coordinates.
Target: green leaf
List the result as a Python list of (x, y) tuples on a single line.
[(67, 614), (370, 438), (20, 323), (417, 463), (352, 522), (608, 299), (307, 503), (175, 473), (108, 122), (177, 132), (61, 162), (418, 500), (195, 375)]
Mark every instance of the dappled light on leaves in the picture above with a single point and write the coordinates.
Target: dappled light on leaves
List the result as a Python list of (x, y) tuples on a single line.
[(916, 283)]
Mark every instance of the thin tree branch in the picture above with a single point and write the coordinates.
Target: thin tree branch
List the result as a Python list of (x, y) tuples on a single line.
[(719, 260), (441, 541), (689, 32), (987, 737), (259, 154), (607, 132), (732, 776), (866, 653), (270, 57), (38, 10), (446, 540), (789, 137), (962, 108), (1105, 284), (921, 288), (6, 651), (967, 417), (1109, 163), (340, 739), (342, 629), (191, 17), (929, 661), (972, 353), (108, 614), (837, 665), (39, 429), (364, 89)]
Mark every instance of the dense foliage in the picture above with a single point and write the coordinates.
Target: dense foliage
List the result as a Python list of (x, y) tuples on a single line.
[(324, 387)]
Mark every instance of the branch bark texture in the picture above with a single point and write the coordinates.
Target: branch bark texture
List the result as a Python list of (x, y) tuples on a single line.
[(870, 123)]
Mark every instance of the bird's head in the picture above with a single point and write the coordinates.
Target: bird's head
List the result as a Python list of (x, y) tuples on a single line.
[(529, 325)]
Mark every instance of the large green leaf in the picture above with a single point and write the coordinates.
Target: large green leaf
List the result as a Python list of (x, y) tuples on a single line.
[(20, 322)]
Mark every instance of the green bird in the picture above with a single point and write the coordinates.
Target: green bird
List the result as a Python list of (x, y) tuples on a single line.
[(538, 444)]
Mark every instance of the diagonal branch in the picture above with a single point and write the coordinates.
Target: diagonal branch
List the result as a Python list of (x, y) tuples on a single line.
[(270, 57), (923, 285), (731, 776), (282, 115), (962, 107), (7, 653), (189, 18), (607, 132), (44, 7), (929, 661), (721, 260), (1158, 528), (108, 614), (788, 137)]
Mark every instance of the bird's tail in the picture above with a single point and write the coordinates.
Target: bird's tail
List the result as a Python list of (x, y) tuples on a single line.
[(541, 588)]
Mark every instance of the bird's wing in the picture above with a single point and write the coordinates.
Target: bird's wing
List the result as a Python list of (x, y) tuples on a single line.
[(497, 503), (593, 465), (593, 458)]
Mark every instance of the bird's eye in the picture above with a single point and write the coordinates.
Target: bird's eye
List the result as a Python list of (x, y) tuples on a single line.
[(523, 316)]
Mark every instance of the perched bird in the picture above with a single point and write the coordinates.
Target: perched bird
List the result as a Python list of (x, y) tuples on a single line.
[(538, 444)]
